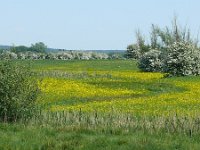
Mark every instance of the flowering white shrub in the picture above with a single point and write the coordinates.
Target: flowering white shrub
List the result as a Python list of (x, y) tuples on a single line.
[(21, 55), (133, 51), (178, 59), (181, 59), (151, 61), (8, 55)]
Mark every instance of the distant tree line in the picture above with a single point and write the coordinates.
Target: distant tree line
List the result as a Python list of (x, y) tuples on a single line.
[(171, 50), (39, 51), (39, 47)]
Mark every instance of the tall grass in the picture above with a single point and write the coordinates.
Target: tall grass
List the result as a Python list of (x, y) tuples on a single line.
[(116, 122)]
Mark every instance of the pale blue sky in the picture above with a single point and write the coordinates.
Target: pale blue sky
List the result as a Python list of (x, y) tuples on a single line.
[(89, 24)]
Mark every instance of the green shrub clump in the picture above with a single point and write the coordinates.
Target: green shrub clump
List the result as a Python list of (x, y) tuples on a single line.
[(18, 92)]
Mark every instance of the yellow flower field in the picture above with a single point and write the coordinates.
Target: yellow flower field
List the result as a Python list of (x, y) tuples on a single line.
[(119, 98)]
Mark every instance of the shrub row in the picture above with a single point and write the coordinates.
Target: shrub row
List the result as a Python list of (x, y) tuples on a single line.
[(70, 55)]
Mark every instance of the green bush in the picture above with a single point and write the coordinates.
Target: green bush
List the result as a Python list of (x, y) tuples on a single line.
[(151, 61), (18, 92)]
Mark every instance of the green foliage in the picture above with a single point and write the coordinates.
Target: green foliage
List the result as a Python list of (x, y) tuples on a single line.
[(137, 50), (162, 38), (140, 42), (38, 47), (18, 92), (17, 49)]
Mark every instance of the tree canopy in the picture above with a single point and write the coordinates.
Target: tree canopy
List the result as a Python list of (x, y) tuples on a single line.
[(39, 47)]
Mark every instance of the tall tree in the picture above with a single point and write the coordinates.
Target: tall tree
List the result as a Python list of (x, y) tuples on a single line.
[(38, 47)]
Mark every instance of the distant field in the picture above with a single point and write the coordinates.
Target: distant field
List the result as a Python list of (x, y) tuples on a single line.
[(112, 105), (82, 65)]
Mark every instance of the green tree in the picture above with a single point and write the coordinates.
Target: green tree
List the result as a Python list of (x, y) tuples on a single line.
[(18, 92), (17, 49), (39, 47), (140, 42), (170, 35)]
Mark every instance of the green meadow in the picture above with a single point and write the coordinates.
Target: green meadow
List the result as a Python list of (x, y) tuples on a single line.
[(107, 104)]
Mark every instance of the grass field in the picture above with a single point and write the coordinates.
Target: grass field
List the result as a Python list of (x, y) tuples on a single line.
[(108, 104)]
